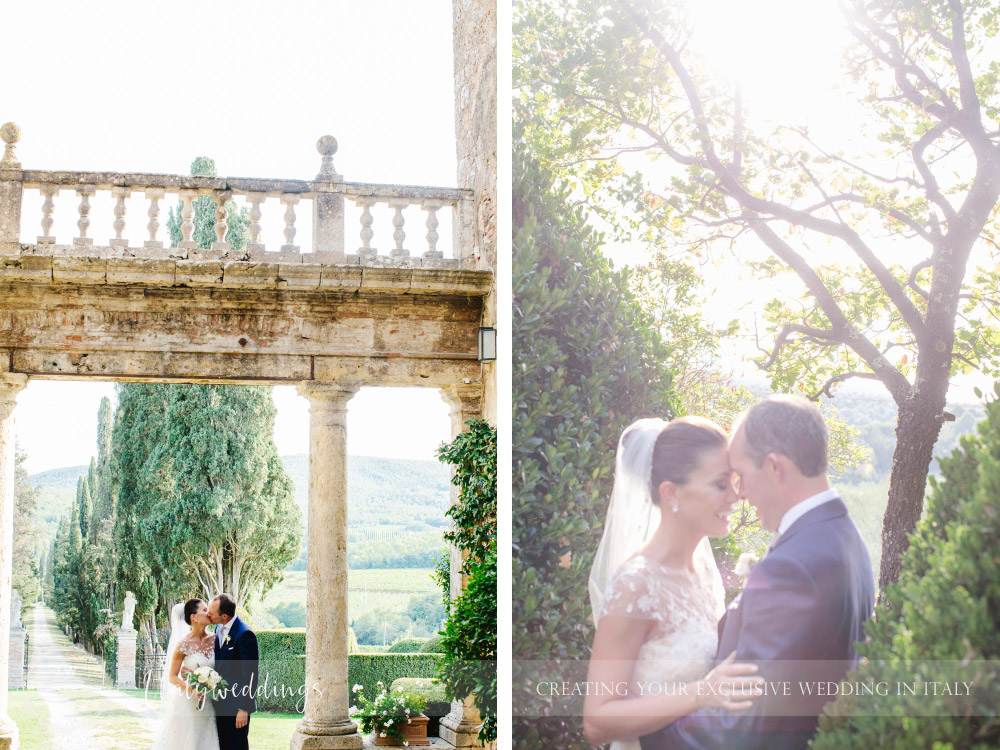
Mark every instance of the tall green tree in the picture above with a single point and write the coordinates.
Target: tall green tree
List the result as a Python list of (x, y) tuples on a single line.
[(588, 360), (26, 571), (595, 79)]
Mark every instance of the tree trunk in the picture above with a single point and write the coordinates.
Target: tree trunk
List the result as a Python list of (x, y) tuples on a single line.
[(920, 418)]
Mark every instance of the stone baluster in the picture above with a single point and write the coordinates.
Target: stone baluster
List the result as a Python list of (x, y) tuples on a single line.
[(187, 224), (326, 723), (399, 235), (328, 208), (366, 251), (83, 223), (255, 245), (290, 201), (49, 193), (431, 207), (120, 194), (221, 226), (10, 386), (461, 726), (154, 195)]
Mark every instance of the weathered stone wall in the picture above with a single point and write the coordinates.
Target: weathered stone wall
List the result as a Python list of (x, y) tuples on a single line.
[(475, 43)]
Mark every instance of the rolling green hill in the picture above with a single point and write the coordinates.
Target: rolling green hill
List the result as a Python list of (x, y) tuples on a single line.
[(395, 511)]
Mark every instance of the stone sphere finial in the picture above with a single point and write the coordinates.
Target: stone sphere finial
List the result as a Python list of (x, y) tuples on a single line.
[(327, 147), (11, 134)]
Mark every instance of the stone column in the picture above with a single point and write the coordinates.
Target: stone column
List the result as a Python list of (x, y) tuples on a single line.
[(327, 723), (125, 658), (461, 726), (10, 386)]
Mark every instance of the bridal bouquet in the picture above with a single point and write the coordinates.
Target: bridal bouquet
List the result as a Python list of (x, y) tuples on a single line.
[(206, 681)]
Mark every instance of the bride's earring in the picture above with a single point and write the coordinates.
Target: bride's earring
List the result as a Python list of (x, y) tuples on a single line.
[(676, 508)]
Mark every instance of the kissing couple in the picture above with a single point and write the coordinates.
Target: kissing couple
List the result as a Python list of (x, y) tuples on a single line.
[(659, 603), (194, 719)]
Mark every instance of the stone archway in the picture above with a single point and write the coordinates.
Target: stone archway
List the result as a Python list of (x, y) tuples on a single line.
[(329, 320)]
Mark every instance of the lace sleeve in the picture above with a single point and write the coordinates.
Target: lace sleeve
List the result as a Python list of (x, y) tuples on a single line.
[(185, 647), (632, 593)]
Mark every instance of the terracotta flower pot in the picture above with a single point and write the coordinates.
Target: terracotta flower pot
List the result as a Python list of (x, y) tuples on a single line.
[(414, 733)]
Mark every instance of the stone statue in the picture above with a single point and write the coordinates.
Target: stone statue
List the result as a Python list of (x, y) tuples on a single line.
[(15, 610), (130, 602)]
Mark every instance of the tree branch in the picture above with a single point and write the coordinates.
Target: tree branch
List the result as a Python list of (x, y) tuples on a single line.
[(818, 335), (826, 389), (893, 380)]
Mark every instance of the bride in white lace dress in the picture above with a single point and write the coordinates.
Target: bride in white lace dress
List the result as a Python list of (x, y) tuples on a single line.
[(184, 726), (655, 590)]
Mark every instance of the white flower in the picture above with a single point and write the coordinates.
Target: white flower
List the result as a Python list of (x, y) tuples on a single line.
[(407, 712), (746, 564), (357, 688), (405, 743), (202, 678)]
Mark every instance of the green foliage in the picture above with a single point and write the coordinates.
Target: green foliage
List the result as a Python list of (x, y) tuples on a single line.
[(25, 576), (469, 642), (473, 456), (939, 622), (407, 646), (588, 360)]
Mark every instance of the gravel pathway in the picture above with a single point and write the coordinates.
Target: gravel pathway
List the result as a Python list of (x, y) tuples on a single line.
[(56, 664)]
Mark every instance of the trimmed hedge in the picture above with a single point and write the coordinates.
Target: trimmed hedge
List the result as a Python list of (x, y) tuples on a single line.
[(433, 645), (406, 646), (282, 669)]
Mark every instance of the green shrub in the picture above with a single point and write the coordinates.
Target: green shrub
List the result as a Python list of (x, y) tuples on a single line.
[(406, 646), (943, 613), (282, 669), (587, 362), (432, 645)]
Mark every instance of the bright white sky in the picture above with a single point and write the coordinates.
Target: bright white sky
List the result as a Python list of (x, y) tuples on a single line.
[(145, 87)]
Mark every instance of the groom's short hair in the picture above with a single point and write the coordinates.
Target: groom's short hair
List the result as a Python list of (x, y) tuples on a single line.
[(790, 426), (227, 605)]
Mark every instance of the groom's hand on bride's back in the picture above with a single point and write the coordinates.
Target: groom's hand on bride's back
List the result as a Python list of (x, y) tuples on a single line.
[(731, 685)]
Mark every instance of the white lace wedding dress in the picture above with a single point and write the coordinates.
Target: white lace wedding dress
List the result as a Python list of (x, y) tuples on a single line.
[(184, 725), (685, 607)]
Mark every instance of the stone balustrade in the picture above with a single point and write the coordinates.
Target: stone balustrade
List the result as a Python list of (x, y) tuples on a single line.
[(415, 211)]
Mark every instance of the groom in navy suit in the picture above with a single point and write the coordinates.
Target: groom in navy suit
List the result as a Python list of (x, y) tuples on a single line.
[(236, 657), (804, 604)]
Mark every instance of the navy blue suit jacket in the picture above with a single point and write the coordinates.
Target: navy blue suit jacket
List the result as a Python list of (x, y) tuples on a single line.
[(236, 662), (799, 617)]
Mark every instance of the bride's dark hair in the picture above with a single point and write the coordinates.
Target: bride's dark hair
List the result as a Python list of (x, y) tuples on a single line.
[(679, 449), (190, 608)]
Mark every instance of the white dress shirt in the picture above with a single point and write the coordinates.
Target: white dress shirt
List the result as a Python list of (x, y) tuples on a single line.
[(222, 633), (800, 509)]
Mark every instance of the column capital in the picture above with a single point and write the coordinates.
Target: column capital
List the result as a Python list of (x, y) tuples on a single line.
[(11, 385), (322, 393)]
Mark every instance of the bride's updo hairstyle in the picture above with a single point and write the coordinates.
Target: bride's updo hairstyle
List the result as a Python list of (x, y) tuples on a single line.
[(679, 449), (190, 608)]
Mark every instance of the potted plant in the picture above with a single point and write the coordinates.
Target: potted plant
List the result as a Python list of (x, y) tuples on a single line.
[(394, 717)]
